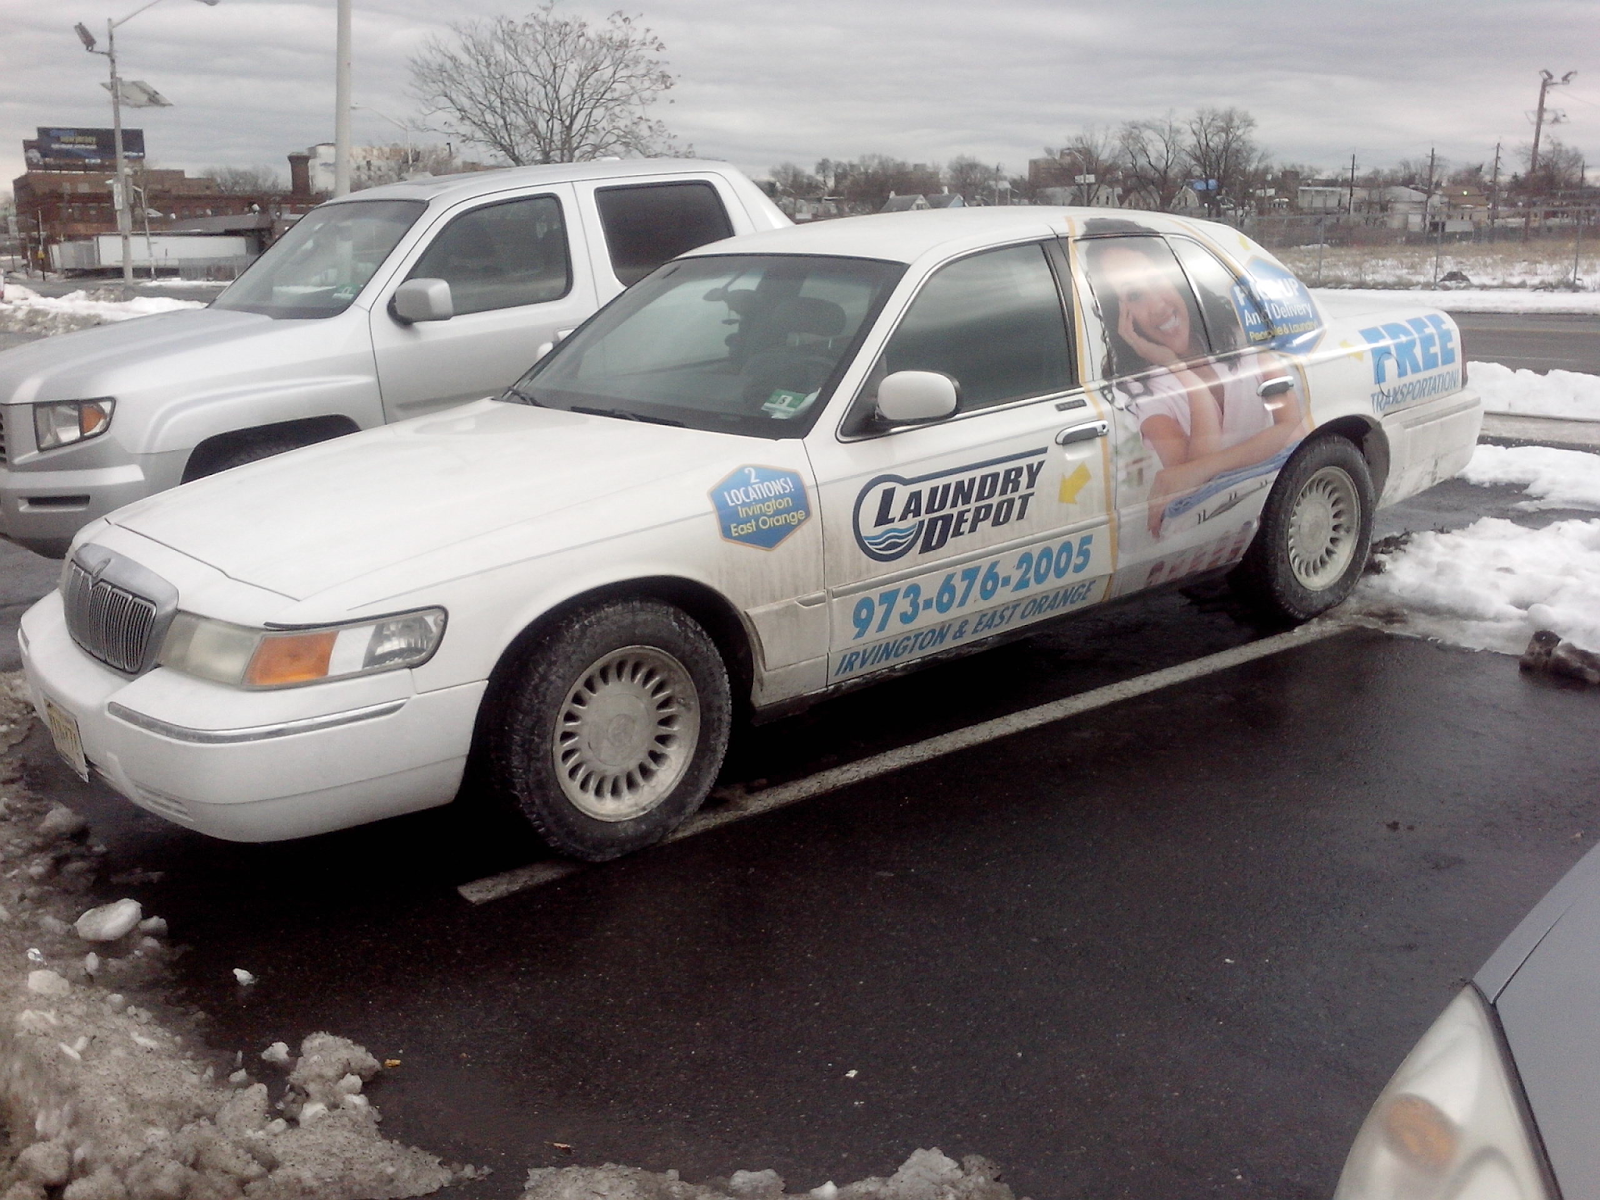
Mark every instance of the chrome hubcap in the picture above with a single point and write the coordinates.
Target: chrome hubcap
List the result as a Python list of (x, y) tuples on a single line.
[(1323, 529), (625, 733)]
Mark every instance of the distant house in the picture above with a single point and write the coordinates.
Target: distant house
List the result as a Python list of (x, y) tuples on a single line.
[(947, 200), (905, 204)]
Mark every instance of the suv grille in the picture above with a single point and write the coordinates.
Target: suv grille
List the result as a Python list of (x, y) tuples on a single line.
[(117, 611)]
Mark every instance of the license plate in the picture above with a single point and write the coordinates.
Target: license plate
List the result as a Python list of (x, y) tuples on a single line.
[(64, 732)]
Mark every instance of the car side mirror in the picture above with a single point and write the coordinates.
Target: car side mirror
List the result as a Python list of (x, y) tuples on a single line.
[(917, 397), (422, 300)]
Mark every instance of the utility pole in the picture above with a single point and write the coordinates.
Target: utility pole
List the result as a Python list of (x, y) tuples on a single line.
[(119, 194), (1494, 193), (1546, 82), (1352, 205), (341, 102)]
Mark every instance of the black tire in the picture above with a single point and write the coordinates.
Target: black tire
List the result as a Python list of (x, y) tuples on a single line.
[(1316, 530), (265, 445), (612, 728)]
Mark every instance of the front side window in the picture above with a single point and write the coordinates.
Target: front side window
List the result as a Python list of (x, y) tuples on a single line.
[(748, 344), (649, 224), (323, 262), (501, 256), (992, 322)]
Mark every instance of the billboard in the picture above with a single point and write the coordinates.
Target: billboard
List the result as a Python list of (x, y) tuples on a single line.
[(64, 149)]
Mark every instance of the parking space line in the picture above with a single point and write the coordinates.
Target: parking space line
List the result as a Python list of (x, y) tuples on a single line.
[(736, 806)]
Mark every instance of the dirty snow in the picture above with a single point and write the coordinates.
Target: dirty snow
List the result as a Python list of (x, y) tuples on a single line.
[(926, 1175), (26, 311), (1493, 584), (106, 1098), (1570, 394), (1510, 264), (1552, 478)]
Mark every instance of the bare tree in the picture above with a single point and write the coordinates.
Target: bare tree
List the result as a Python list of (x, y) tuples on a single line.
[(1154, 157), (790, 180), (547, 88), (244, 181), (1560, 166), (868, 181), (971, 178), (394, 164), (1224, 156)]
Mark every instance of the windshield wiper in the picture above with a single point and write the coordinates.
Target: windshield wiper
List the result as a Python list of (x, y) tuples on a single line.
[(523, 396), (623, 414)]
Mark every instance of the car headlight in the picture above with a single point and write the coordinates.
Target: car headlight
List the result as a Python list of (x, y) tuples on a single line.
[(273, 658), (62, 422), (1450, 1123)]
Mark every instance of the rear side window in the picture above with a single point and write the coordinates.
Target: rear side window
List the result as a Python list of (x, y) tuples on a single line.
[(1150, 314), (648, 224), (1230, 310), (502, 255)]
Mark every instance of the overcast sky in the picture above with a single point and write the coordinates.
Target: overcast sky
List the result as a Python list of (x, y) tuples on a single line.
[(763, 82)]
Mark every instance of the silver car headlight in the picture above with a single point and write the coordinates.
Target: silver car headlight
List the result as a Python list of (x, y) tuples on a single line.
[(1450, 1123), (274, 658), (62, 422)]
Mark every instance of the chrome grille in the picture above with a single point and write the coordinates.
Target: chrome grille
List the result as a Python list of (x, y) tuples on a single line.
[(116, 610)]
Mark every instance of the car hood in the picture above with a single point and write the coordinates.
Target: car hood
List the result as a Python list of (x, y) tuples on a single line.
[(330, 513), (1544, 982), (107, 359)]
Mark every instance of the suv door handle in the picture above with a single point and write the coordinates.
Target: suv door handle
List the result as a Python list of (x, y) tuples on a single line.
[(1083, 433), (1275, 386)]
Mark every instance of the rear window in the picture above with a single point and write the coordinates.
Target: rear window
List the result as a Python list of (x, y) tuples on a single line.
[(647, 224)]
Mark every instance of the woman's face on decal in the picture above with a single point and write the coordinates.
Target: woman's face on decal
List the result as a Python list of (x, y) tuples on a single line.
[(1149, 298)]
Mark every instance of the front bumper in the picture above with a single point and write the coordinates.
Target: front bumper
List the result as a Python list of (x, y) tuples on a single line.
[(255, 766)]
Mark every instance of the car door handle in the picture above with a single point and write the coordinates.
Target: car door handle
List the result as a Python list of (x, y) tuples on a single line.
[(1083, 433), (1275, 386)]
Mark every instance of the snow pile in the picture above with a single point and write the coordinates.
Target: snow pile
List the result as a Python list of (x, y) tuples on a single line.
[(926, 1175), (1490, 586), (1558, 394), (104, 1101), (25, 311), (1553, 478)]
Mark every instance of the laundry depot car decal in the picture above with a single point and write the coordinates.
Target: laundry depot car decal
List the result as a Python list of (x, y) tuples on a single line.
[(760, 506), (944, 607), (1420, 346), (1290, 321), (894, 515)]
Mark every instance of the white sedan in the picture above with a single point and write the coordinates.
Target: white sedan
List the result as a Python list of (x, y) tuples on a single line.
[(781, 466)]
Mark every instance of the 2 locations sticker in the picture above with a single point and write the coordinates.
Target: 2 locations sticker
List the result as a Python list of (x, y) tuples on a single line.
[(760, 506), (894, 515)]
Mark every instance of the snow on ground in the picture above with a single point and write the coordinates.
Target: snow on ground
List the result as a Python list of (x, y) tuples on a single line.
[(1541, 263), (105, 1098), (926, 1175), (1499, 300), (1556, 394), (1493, 584), (25, 311)]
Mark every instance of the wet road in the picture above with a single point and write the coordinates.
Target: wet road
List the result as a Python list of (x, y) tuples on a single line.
[(1172, 947)]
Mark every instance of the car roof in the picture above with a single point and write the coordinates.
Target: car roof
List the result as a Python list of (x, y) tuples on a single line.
[(470, 184), (908, 236)]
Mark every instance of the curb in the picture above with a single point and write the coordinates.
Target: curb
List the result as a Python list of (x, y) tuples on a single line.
[(1561, 433)]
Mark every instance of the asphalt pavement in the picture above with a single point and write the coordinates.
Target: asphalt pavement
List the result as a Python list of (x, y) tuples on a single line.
[(1171, 947), (1532, 341)]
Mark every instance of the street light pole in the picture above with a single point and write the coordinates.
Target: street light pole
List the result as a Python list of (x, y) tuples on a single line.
[(341, 102)]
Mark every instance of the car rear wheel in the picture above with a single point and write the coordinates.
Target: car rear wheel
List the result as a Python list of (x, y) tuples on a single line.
[(614, 728), (1315, 532)]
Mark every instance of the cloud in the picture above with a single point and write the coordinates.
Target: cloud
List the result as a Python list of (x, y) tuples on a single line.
[(762, 82)]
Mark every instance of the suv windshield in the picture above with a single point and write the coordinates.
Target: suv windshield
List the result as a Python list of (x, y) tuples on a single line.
[(739, 343), (318, 267)]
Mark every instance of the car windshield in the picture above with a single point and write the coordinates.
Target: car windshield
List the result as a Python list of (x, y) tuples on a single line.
[(319, 266), (739, 343)]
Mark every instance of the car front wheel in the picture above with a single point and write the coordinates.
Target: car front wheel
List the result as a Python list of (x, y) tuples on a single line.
[(1316, 529), (614, 728)]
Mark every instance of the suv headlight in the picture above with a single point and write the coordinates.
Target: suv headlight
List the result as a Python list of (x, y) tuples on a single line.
[(1450, 1123), (62, 422), (273, 658)]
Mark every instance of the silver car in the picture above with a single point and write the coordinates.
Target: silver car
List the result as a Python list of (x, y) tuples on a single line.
[(1500, 1100)]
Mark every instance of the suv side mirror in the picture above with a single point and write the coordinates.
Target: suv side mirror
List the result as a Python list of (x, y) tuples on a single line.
[(917, 397), (422, 300)]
